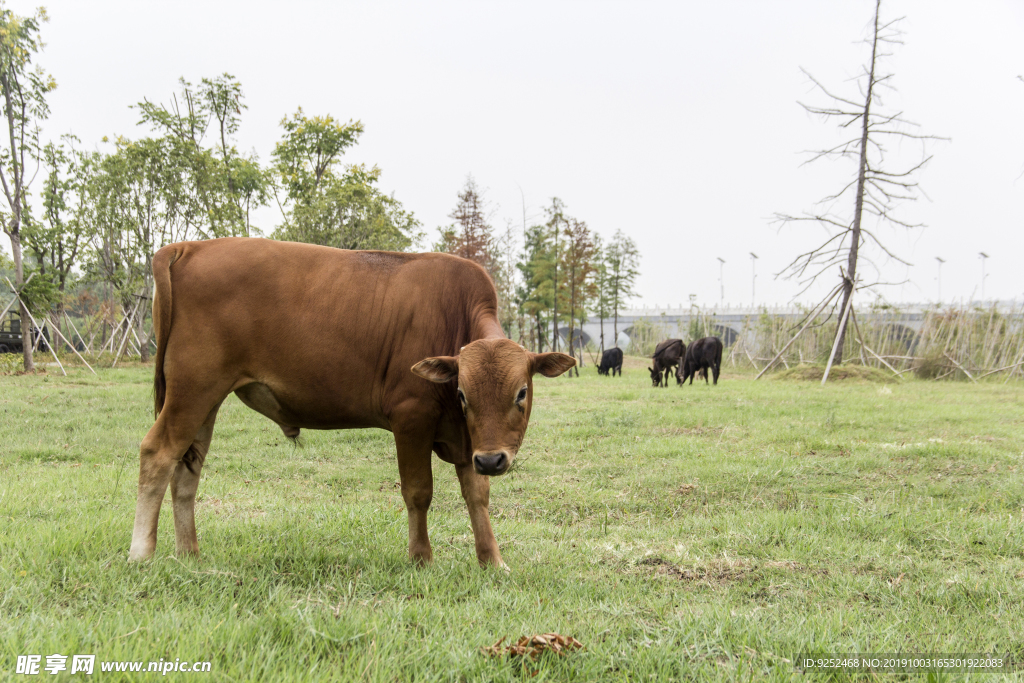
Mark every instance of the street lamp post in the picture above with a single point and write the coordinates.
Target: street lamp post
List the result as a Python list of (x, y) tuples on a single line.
[(939, 278), (721, 276), (984, 257), (753, 277)]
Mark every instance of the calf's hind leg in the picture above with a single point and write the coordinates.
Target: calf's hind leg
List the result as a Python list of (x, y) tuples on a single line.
[(175, 430), (185, 483)]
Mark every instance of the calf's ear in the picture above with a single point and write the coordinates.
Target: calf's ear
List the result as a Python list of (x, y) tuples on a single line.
[(440, 369), (551, 364)]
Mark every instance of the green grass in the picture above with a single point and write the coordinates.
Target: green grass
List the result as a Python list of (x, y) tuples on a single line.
[(701, 533)]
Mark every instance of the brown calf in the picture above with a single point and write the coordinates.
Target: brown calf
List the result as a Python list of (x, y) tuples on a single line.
[(321, 338)]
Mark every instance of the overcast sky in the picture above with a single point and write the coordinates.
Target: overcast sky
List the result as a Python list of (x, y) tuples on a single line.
[(676, 122)]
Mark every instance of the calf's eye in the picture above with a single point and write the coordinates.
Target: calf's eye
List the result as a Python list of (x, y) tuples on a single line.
[(521, 396)]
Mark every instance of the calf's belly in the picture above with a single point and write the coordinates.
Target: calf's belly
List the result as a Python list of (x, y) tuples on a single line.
[(292, 410)]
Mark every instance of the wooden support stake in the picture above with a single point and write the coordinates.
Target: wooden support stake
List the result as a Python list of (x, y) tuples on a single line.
[(839, 335), (124, 342), (962, 368), (751, 360), (992, 372), (8, 307), (860, 337), (80, 337), (49, 346), (810, 319), (74, 350)]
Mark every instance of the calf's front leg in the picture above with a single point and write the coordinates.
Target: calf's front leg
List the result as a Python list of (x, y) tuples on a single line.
[(476, 490), (417, 491)]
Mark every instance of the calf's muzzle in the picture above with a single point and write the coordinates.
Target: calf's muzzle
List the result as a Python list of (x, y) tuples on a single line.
[(491, 464)]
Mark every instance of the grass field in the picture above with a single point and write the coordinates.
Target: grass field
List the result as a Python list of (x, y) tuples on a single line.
[(702, 533)]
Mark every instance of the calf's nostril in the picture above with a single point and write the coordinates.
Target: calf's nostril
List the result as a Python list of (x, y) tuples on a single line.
[(491, 463)]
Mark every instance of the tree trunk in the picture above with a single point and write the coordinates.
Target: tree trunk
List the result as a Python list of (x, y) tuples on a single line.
[(19, 280), (143, 337), (554, 297), (572, 319), (615, 327), (554, 315), (851, 264)]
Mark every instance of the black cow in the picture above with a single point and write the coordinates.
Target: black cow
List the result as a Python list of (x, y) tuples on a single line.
[(611, 360), (666, 356), (702, 354)]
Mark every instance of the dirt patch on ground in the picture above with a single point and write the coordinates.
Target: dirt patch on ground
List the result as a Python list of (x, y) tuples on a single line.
[(690, 431), (713, 573), (814, 373), (219, 506), (721, 572)]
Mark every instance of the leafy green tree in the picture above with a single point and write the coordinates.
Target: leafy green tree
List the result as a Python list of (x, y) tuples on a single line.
[(448, 241), (58, 240), (219, 186), (622, 265), (536, 290), (138, 208), (24, 104), (506, 258), (312, 147), (330, 206), (352, 213)]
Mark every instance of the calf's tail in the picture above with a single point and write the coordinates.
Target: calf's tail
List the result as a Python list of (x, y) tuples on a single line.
[(162, 261)]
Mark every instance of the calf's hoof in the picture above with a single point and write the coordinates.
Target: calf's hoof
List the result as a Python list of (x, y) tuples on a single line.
[(135, 555), (494, 561), (421, 559)]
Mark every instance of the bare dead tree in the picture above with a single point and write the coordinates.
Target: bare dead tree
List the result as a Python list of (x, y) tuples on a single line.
[(877, 189)]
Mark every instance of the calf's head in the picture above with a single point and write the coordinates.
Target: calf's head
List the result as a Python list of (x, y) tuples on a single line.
[(656, 375), (495, 387)]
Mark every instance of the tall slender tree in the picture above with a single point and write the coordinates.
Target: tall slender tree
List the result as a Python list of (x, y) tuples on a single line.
[(24, 103), (602, 299), (556, 221), (536, 293), (473, 236), (622, 264), (506, 253), (578, 266), (59, 239)]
